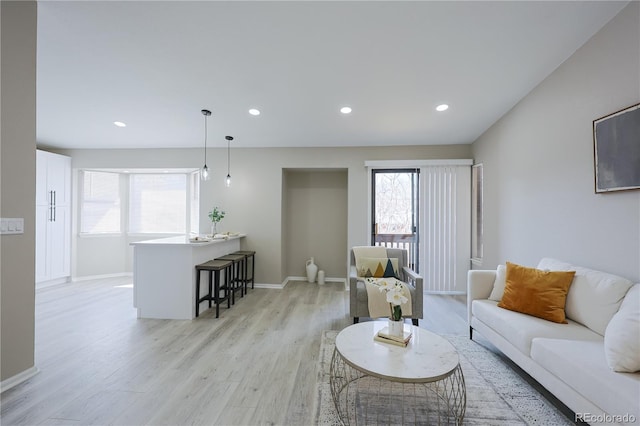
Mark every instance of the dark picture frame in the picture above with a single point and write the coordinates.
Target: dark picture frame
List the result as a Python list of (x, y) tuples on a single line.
[(616, 150)]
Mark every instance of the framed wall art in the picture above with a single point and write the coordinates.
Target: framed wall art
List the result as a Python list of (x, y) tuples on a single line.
[(616, 147)]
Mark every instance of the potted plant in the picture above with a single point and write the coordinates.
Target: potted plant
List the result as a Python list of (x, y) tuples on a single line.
[(395, 293), (216, 215)]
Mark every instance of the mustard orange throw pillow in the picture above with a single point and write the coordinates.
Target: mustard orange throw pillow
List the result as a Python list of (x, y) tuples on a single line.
[(539, 293)]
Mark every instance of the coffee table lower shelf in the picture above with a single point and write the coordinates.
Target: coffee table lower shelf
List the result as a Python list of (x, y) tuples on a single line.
[(363, 399)]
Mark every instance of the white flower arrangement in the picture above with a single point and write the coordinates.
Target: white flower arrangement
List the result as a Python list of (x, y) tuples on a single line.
[(395, 295)]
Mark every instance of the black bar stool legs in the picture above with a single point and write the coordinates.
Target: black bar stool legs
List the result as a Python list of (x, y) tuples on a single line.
[(214, 267), (235, 267), (248, 255), (238, 275)]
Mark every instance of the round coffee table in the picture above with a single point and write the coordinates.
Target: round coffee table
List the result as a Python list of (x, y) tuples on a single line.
[(374, 382)]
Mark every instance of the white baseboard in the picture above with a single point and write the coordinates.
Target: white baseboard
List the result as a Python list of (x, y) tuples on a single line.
[(271, 286), (97, 277), (18, 378), (286, 281), (294, 278), (330, 280), (335, 280), (57, 281)]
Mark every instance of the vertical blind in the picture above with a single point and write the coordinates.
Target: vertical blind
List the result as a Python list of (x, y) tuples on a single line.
[(446, 227)]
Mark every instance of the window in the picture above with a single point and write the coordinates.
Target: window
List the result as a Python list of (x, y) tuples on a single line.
[(100, 203), (144, 202), (476, 214), (195, 203), (158, 203), (395, 210)]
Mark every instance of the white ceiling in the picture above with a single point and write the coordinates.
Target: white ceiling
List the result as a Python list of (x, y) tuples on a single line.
[(155, 65)]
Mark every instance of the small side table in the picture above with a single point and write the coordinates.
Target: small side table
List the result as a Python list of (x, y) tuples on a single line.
[(378, 383)]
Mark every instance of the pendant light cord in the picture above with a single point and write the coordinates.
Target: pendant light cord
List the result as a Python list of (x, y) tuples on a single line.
[(205, 170), (228, 179), (205, 139)]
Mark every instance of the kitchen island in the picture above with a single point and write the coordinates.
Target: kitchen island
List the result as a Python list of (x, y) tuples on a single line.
[(164, 274)]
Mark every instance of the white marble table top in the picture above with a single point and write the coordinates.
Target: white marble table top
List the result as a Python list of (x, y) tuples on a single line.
[(427, 358)]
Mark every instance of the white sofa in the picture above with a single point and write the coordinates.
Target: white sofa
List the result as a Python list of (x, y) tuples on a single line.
[(569, 360)]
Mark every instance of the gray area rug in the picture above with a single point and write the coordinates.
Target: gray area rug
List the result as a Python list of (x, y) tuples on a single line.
[(496, 395)]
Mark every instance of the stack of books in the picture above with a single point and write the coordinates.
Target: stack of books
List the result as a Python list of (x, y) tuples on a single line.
[(384, 336)]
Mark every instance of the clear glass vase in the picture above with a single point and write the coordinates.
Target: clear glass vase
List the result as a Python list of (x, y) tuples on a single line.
[(396, 328)]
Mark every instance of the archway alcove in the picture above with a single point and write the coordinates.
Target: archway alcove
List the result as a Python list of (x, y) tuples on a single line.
[(314, 220)]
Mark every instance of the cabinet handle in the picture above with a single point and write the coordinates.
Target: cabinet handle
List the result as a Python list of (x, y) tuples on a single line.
[(54, 206)]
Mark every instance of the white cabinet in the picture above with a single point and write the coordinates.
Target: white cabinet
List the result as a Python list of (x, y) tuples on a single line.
[(53, 216)]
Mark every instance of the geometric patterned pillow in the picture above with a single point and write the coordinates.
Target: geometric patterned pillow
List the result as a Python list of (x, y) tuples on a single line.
[(374, 267)]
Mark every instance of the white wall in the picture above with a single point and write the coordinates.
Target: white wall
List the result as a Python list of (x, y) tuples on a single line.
[(254, 201), (539, 197)]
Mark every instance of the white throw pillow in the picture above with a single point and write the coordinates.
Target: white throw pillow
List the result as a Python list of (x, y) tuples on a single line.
[(622, 336), (594, 297), (499, 284)]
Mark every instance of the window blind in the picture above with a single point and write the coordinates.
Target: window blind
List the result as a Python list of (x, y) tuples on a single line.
[(157, 203), (100, 203), (447, 230)]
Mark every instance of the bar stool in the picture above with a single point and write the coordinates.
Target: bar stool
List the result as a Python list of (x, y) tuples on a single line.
[(237, 275), (214, 267), (248, 254)]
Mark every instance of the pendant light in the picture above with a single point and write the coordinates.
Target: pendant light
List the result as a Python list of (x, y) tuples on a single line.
[(227, 181), (204, 172)]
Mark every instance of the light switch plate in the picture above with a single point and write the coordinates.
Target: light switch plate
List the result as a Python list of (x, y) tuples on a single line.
[(11, 225)]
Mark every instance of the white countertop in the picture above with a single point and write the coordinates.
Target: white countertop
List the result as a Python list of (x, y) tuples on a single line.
[(184, 240)]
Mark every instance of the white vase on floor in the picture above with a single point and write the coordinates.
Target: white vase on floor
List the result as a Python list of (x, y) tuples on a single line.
[(312, 270)]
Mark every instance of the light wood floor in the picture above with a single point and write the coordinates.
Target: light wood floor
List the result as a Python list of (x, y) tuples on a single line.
[(256, 364)]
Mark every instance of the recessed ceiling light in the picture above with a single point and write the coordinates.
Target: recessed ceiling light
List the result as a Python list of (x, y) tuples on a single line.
[(119, 124), (254, 111), (345, 110), (442, 107)]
